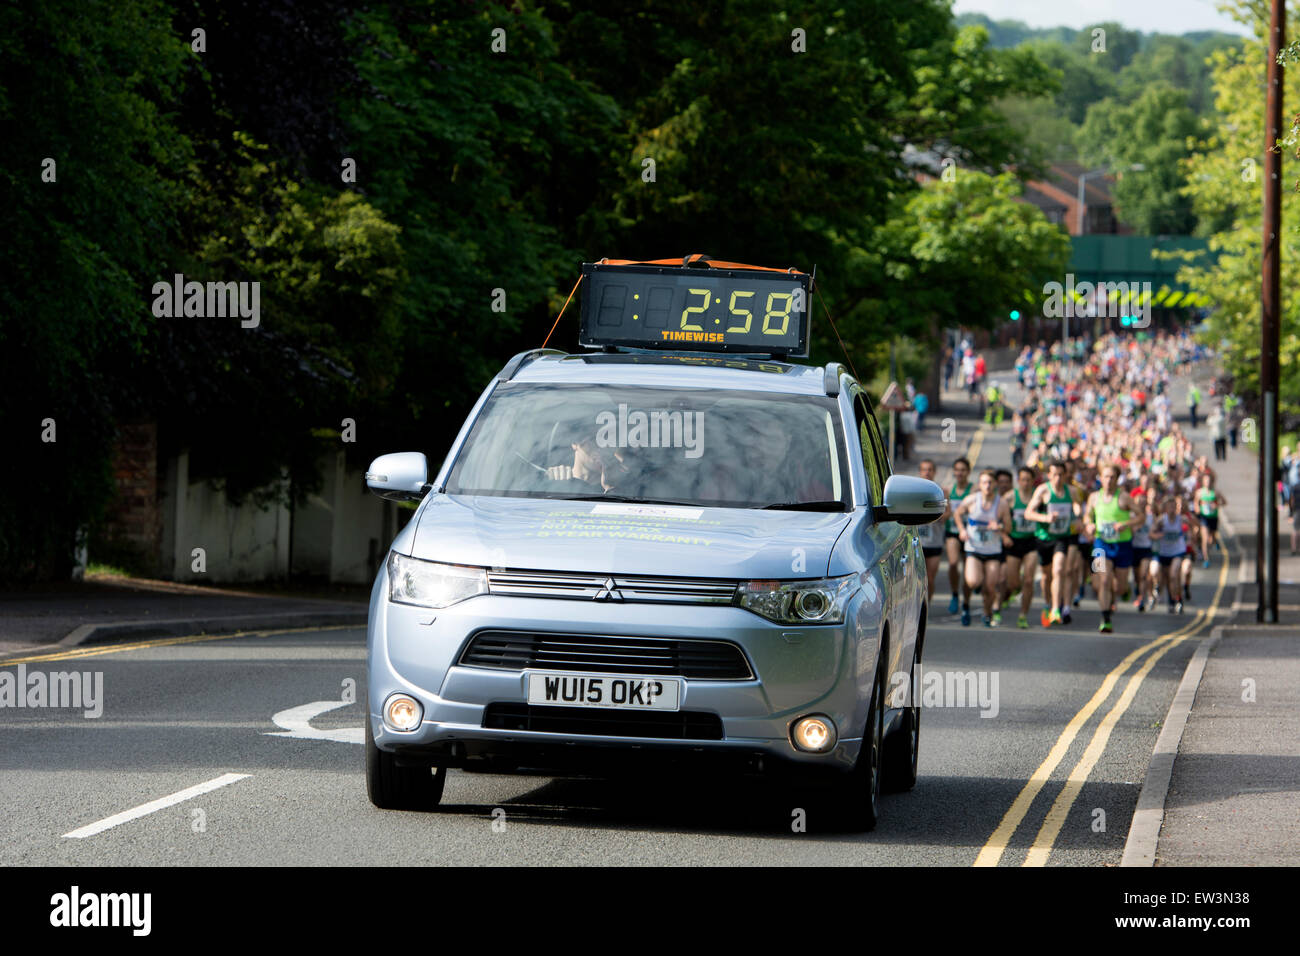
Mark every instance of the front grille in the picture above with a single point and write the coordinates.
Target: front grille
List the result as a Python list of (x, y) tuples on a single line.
[(607, 654), (605, 587), (594, 721)]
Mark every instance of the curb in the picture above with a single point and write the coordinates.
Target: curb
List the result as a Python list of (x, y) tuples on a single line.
[(176, 627), (1144, 832)]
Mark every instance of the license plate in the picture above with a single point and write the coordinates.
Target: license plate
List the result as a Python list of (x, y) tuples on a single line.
[(624, 691)]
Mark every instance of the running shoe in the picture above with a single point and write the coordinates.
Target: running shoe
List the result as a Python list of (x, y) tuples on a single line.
[(1023, 623), (1140, 604), (1205, 563), (965, 617), (1128, 593), (1179, 606), (988, 621), (1104, 627), (1065, 618), (1045, 619), (997, 618), (1011, 598), (952, 605)]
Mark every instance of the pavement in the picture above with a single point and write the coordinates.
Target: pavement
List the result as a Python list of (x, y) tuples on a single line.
[(1234, 793), (107, 608)]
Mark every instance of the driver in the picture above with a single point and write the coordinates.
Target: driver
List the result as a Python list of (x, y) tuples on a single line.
[(592, 464)]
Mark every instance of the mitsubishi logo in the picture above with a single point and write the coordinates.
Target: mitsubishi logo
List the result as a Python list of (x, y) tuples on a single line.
[(609, 591)]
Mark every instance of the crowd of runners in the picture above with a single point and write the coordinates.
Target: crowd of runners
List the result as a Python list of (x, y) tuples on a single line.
[(1108, 500)]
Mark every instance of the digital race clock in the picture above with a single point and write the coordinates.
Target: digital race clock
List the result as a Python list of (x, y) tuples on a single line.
[(695, 309)]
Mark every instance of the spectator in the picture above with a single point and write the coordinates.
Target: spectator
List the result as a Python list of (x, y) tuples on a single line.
[(922, 405), (1233, 406), (1218, 423), (1291, 478)]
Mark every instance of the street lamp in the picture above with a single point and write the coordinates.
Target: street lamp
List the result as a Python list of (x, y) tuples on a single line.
[(1083, 207), (1083, 203)]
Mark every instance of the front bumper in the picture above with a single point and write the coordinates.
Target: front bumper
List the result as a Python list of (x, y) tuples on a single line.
[(797, 671)]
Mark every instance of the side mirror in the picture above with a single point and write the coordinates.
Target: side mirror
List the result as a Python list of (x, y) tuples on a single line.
[(399, 477), (912, 501)]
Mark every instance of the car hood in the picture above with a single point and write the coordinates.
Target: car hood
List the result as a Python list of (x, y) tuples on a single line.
[(616, 538)]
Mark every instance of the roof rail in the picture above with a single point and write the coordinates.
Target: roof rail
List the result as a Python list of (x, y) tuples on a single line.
[(523, 358), (832, 381)]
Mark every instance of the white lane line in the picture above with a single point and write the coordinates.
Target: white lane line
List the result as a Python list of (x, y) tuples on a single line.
[(296, 722), (162, 803)]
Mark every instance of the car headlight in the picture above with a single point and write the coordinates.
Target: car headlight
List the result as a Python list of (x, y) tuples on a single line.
[(430, 583), (799, 602)]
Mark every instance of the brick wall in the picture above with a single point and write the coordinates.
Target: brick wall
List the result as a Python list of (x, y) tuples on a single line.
[(133, 517)]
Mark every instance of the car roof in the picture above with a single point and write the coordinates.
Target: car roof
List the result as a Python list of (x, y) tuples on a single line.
[(670, 370)]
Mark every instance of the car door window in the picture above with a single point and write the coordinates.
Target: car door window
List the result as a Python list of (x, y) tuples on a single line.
[(878, 440), (870, 457)]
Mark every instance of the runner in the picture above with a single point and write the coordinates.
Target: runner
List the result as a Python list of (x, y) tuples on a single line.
[(961, 487), (1171, 552), (1021, 546), (1207, 509), (1053, 506), (1184, 515), (1111, 516), (930, 536), (1142, 553), (981, 520)]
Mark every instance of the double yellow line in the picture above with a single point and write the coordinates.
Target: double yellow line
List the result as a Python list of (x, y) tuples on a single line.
[(997, 844), (99, 650)]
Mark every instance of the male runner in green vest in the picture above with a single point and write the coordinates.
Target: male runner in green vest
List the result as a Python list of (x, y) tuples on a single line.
[(1053, 507), (1110, 517), (1020, 544)]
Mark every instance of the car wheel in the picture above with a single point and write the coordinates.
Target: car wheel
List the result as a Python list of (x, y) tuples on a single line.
[(855, 800), (902, 747), (393, 787)]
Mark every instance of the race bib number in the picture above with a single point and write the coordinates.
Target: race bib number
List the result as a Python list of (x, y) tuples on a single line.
[(981, 535), (1060, 519), (1171, 537), (1020, 522), (1108, 531)]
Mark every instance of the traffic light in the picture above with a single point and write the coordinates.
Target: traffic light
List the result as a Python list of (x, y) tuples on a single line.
[(1015, 315)]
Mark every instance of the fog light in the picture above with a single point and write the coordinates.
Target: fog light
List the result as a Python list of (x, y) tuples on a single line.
[(815, 734), (402, 712)]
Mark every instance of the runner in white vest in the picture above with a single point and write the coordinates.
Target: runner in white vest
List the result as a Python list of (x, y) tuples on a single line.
[(982, 519)]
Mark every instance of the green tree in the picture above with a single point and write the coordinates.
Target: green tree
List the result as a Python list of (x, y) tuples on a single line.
[(1224, 182), (1157, 132), (1084, 78), (962, 253), (85, 84)]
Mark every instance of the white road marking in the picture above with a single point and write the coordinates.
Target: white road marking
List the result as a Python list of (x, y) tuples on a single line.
[(296, 722), (162, 803)]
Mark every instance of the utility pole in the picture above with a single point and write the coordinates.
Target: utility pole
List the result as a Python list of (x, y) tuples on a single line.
[(1270, 299)]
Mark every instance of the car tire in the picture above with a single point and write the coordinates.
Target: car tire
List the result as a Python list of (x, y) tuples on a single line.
[(903, 745), (855, 800), (394, 787)]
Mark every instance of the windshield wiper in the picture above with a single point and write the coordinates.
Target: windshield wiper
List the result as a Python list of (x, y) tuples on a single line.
[(804, 506)]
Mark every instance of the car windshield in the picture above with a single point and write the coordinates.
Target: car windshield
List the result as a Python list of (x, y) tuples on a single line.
[(712, 448)]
